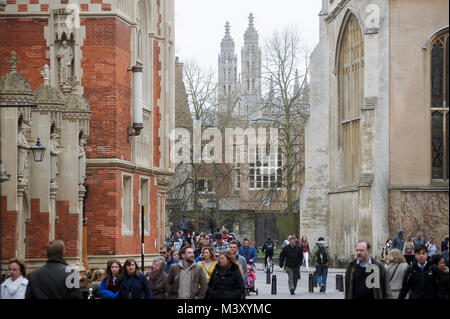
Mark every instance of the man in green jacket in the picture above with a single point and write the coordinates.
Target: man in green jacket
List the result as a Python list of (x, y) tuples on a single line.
[(321, 259), (365, 277)]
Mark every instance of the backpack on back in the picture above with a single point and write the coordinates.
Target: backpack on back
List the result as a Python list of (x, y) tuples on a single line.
[(321, 255)]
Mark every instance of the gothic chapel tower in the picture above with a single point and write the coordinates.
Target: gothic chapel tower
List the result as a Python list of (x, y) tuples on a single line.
[(251, 71), (227, 70)]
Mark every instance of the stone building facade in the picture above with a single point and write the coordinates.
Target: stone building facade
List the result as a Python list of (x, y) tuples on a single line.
[(371, 140), (104, 177)]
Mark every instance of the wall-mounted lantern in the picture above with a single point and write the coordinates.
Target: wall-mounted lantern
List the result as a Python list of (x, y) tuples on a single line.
[(138, 123), (38, 151)]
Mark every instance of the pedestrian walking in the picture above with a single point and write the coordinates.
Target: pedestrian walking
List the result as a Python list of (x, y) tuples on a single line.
[(408, 250), (439, 261), (419, 240), (109, 287), (50, 280), (166, 252), (249, 253), (190, 240), (386, 249), (226, 281), (234, 248), (357, 272), (396, 267), (15, 286), (219, 245), (186, 279), (133, 285), (158, 278), (208, 261), (444, 244), (321, 259), (268, 250), (399, 241), (291, 258), (422, 279), (304, 245), (431, 247)]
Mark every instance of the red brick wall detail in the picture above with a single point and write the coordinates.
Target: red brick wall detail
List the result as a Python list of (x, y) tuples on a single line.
[(66, 228), (26, 37), (38, 231), (9, 231), (107, 86)]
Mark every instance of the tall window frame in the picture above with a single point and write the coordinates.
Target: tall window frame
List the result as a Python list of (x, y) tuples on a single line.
[(439, 108), (265, 174), (351, 96)]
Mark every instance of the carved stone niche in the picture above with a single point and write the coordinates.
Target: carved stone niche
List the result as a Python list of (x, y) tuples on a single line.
[(78, 109), (64, 31)]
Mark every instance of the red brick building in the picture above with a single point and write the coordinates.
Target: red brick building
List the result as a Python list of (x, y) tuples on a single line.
[(93, 201)]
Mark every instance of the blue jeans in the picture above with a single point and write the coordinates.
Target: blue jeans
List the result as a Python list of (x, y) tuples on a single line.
[(321, 276)]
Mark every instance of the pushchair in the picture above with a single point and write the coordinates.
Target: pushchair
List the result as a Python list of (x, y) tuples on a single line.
[(251, 279)]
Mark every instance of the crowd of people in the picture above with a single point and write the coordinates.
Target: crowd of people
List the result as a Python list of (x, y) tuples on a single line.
[(217, 266)]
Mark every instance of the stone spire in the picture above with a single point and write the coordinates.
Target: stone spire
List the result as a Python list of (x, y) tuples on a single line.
[(251, 71), (251, 33), (297, 82), (227, 68)]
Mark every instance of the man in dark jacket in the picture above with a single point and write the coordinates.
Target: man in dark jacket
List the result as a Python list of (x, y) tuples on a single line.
[(399, 241), (55, 280), (422, 279), (291, 259), (166, 252), (365, 277)]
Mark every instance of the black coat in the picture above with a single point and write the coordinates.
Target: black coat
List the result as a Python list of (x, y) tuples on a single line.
[(444, 284), (226, 286), (421, 284), (293, 256), (134, 286), (49, 282)]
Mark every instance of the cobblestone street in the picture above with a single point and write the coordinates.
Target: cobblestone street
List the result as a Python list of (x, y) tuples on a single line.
[(264, 290)]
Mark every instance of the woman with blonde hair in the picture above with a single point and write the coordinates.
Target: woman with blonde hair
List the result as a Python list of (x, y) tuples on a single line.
[(408, 250), (396, 268), (209, 261)]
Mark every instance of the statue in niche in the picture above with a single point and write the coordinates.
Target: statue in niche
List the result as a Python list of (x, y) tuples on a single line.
[(23, 165), (54, 153), (81, 162), (65, 56)]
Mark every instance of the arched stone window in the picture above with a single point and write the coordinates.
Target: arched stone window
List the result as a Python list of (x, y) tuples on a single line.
[(140, 15), (351, 95), (439, 107)]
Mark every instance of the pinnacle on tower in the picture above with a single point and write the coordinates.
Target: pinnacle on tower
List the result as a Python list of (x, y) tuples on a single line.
[(251, 20), (227, 28)]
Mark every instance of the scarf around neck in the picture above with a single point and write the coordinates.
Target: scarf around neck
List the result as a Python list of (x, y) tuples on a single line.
[(13, 286)]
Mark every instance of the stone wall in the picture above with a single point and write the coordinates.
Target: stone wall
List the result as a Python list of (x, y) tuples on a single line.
[(419, 210)]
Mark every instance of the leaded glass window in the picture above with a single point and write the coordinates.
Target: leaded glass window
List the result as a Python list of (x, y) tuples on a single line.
[(351, 95), (439, 108)]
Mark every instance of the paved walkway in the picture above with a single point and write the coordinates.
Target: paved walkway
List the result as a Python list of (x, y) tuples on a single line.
[(302, 291)]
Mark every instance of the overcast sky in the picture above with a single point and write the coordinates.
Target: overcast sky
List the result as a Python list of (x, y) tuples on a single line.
[(200, 24)]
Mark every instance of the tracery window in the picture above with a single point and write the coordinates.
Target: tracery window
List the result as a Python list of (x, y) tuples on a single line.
[(351, 95), (439, 107)]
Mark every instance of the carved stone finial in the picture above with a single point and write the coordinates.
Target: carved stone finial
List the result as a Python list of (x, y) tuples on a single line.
[(251, 19), (13, 61), (227, 28), (46, 74)]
